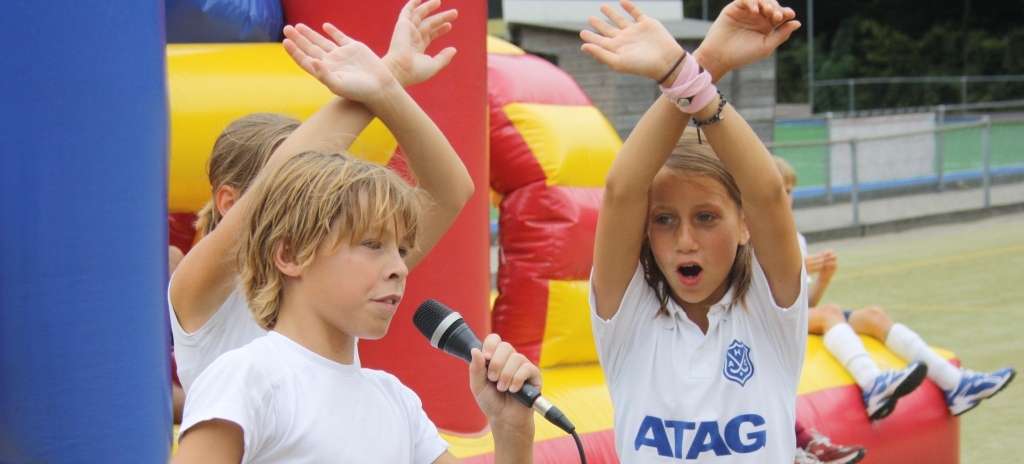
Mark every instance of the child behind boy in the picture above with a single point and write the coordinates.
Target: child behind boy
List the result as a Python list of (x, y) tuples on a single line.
[(323, 262)]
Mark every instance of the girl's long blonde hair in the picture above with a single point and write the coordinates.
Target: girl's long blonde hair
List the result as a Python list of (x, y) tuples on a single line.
[(239, 153), (296, 207), (692, 157)]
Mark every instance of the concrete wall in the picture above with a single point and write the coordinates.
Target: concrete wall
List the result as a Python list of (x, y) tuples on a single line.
[(886, 159), (531, 11)]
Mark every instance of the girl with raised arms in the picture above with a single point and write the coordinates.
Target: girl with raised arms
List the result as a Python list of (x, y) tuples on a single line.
[(698, 298)]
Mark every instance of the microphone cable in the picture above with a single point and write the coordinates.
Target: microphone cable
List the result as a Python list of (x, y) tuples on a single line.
[(579, 446)]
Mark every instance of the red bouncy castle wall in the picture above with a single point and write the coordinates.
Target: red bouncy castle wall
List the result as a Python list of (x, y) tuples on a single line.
[(456, 271)]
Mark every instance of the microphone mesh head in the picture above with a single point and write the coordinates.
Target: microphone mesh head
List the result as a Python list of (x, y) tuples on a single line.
[(428, 316)]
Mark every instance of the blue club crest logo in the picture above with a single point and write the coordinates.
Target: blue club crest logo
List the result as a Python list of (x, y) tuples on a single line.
[(738, 366)]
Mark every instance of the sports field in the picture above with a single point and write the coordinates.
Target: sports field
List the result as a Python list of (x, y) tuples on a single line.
[(962, 288)]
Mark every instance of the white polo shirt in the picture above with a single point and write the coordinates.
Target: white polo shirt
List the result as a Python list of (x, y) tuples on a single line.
[(725, 397)]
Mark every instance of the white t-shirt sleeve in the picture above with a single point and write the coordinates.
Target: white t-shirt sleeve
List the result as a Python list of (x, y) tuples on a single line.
[(230, 327), (235, 390), (786, 328), (803, 251), (427, 443), (615, 338)]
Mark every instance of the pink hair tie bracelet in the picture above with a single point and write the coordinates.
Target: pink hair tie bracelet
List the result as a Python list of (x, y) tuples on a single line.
[(692, 89)]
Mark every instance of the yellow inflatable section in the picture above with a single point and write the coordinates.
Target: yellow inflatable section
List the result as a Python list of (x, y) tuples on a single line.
[(210, 85)]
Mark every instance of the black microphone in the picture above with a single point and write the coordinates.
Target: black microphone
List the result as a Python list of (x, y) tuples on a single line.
[(448, 331)]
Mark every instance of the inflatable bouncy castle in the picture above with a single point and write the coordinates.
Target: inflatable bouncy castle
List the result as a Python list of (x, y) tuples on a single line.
[(522, 126)]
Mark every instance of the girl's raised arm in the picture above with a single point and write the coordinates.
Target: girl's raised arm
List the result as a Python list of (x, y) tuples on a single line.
[(766, 206), (642, 47), (438, 170)]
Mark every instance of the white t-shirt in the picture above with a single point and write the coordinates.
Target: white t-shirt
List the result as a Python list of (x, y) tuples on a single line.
[(232, 326), (296, 406), (725, 397)]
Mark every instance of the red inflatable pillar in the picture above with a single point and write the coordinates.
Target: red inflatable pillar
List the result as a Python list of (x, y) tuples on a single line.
[(456, 271)]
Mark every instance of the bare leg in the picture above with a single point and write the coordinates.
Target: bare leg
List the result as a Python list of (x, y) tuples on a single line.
[(871, 321), (822, 318)]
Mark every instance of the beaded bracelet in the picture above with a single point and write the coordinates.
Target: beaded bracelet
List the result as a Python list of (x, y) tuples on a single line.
[(717, 117)]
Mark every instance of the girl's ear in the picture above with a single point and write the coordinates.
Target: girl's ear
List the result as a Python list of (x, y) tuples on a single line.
[(285, 261), (744, 231), (225, 198)]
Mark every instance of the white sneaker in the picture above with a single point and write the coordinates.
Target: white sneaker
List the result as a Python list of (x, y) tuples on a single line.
[(976, 386), (892, 385)]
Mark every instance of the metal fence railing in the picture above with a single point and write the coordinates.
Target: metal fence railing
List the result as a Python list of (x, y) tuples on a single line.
[(859, 93), (851, 159)]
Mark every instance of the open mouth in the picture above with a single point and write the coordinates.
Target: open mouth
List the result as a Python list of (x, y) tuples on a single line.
[(690, 272)]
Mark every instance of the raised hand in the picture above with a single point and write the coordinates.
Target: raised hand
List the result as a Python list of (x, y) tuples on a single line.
[(348, 68), (824, 263), (745, 31), (640, 46), (415, 30), (829, 264)]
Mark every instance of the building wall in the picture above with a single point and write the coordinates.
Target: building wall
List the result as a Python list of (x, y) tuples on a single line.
[(624, 98), (546, 11)]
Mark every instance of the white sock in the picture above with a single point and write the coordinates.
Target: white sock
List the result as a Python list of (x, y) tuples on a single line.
[(846, 346), (908, 345)]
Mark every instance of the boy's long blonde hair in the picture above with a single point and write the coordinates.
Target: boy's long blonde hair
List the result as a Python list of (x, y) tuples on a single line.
[(692, 157), (239, 153), (297, 205)]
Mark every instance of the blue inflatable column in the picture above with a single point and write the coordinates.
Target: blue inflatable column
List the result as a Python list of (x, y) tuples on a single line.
[(84, 373)]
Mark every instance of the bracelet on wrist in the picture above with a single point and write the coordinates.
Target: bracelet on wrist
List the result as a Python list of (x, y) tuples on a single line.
[(692, 89), (717, 117), (673, 68)]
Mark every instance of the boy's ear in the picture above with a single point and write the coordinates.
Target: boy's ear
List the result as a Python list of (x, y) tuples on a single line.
[(284, 259), (225, 198)]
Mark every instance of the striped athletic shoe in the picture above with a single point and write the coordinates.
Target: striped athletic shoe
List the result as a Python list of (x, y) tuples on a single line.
[(830, 453), (976, 386), (892, 385)]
